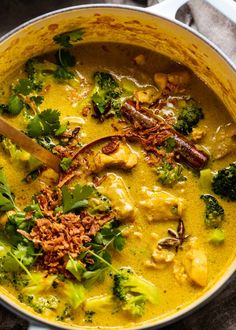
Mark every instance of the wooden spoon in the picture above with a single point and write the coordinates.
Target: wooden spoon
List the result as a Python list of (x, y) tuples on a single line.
[(29, 145)]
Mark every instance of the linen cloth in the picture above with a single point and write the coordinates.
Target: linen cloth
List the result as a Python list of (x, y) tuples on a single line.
[(216, 27)]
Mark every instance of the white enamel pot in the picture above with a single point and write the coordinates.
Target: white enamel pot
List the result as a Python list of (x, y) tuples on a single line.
[(154, 28)]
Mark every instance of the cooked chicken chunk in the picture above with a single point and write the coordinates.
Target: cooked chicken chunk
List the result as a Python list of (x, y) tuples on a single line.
[(160, 258), (195, 264), (198, 133), (159, 205), (179, 272), (140, 59), (148, 95), (115, 189), (123, 157), (224, 141), (179, 79)]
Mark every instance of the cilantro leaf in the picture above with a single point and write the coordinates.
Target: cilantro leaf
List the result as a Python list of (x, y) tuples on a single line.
[(110, 233), (76, 198), (24, 86), (76, 268), (6, 199), (65, 163), (25, 253), (44, 123), (15, 105), (68, 39), (37, 99)]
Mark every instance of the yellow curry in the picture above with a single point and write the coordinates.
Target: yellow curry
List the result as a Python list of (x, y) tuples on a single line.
[(139, 222)]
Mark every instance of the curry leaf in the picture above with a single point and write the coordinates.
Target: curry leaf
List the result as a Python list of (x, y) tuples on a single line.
[(6, 199), (76, 198)]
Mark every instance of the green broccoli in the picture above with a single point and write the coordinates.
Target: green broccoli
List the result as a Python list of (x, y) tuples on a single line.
[(39, 304), (189, 115), (38, 71), (74, 293), (18, 155), (37, 293), (133, 291), (100, 303), (224, 183), (106, 95), (169, 174), (214, 212), (67, 313)]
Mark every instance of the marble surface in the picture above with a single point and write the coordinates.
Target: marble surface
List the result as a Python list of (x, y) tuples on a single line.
[(219, 313)]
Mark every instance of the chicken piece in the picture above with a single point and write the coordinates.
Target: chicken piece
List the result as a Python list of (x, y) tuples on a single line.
[(160, 258), (115, 189), (163, 256), (179, 272), (179, 79), (123, 157), (198, 133), (148, 95), (224, 141), (159, 205), (140, 59), (195, 263), (160, 80)]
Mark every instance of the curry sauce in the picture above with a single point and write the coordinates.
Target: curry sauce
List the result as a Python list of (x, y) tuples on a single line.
[(127, 183)]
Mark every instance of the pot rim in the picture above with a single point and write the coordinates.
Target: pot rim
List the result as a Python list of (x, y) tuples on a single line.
[(225, 278)]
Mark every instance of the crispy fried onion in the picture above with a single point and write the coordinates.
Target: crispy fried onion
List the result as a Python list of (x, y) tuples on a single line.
[(59, 235), (151, 139)]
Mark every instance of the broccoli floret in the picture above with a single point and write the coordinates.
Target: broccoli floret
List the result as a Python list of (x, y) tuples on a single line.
[(224, 183), (74, 293), (37, 292), (38, 71), (39, 304), (169, 175), (214, 212), (188, 117), (88, 317), (67, 313), (106, 95), (105, 81), (17, 154), (133, 291), (99, 303)]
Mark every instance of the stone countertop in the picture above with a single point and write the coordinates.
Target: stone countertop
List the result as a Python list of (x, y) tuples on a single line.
[(219, 314)]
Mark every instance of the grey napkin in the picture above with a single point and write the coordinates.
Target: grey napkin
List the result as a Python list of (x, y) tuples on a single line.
[(211, 23)]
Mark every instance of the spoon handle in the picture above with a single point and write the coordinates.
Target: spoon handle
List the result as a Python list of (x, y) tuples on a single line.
[(29, 145)]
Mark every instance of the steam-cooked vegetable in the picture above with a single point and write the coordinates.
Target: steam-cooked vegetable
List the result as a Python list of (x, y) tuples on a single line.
[(224, 183)]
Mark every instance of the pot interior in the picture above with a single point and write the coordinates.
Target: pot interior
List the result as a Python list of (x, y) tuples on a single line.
[(135, 27), (109, 24)]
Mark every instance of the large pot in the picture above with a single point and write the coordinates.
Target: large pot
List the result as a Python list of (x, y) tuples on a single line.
[(147, 27)]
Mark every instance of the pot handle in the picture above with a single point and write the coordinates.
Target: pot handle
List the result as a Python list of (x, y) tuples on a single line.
[(36, 327), (169, 8)]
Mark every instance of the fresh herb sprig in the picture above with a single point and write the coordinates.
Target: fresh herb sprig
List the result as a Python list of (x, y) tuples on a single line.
[(6, 198), (70, 38)]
